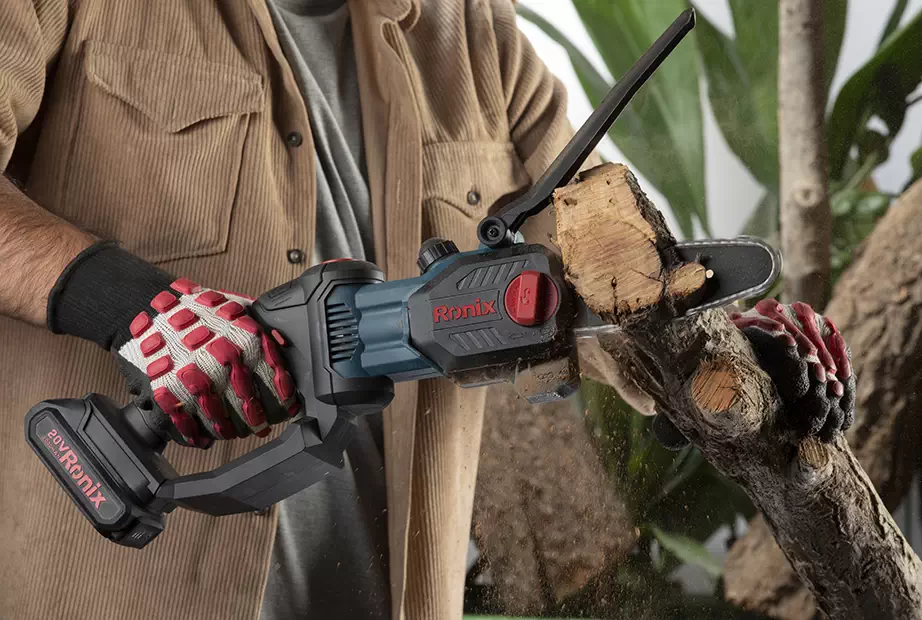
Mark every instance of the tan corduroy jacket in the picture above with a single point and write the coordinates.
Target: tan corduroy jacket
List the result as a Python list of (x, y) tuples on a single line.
[(163, 124)]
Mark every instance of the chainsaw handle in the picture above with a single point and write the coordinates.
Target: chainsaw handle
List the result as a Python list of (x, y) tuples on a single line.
[(278, 469), (307, 316), (314, 319), (110, 465)]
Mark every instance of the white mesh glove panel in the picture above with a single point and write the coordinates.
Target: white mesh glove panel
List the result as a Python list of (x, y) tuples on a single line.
[(208, 365)]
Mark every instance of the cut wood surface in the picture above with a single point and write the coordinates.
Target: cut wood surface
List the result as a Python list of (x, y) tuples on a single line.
[(819, 503), (628, 277), (877, 305)]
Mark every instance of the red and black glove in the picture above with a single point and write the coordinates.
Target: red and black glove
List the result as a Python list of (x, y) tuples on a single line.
[(809, 363), (191, 353)]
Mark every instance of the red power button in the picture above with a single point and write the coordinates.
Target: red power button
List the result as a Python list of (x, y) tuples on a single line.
[(531, 299)]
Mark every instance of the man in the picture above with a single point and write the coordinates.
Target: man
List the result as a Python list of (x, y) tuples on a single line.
[(226, 144)]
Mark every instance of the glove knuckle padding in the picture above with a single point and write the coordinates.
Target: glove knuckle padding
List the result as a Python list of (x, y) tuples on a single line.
[(813, 375), (211, 360)]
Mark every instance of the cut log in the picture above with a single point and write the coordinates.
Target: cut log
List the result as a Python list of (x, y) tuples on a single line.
[(630, 278), (876, 304), (700, 371)]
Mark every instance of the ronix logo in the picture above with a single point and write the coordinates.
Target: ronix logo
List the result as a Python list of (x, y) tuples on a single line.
[(453, 313), (70, 462)]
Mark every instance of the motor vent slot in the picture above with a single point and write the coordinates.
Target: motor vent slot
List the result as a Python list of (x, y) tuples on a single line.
[(342, 332)]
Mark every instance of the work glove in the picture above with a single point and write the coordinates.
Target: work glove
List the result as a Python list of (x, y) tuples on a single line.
[(188, 353), (807, 360), (207, 364)]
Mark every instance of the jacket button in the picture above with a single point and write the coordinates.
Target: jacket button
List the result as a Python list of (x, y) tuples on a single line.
[(295, 257), (294, 139), (473, 197)]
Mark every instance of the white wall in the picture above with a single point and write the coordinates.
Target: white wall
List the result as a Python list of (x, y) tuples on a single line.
[(732, 192)]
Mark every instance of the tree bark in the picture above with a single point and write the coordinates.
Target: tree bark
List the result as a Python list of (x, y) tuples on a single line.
[(700, 371), (806, 220), (877, 304)]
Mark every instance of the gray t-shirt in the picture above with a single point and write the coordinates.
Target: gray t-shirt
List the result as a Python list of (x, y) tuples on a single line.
[(329, 559)]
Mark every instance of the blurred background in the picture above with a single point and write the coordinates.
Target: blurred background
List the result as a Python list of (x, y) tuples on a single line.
[(732, 192), (579, 512)]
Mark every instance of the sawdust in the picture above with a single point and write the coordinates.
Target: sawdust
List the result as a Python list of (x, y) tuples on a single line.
[(545, 512)]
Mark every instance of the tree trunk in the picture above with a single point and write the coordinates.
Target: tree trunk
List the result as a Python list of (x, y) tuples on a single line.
[(806, 221), (819, 503), (877, 304)]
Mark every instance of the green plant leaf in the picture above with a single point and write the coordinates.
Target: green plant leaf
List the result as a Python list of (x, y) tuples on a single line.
[(893, 21), (742, 83), (834, 13), (915, 161), (697, 507), (880, 88), (764, 220), (688, 550), (854, 215), (687, 464), (664, 138)]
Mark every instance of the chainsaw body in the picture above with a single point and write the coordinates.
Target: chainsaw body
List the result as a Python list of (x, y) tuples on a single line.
[(347, 336), (502, 312)]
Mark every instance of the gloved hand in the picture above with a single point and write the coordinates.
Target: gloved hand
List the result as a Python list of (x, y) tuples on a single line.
[(807, 360), (207, 365), (190, 353)]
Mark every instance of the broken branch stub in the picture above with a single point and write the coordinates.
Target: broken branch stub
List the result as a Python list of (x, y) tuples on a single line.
[(702, 375)]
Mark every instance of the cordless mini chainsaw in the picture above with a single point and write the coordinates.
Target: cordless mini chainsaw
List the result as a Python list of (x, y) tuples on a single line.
[(474, 317)]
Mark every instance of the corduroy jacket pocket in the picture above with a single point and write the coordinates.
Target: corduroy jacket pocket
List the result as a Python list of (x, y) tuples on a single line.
[(479, 173), (156, 150)]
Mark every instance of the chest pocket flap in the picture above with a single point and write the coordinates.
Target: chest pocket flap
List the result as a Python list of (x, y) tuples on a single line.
[(198, 90), (157, 150)]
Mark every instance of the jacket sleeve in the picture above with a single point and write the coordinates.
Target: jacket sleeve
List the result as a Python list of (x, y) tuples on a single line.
[(32, 33), (536, 105)]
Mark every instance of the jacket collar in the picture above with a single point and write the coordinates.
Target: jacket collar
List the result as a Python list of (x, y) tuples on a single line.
[(404, 12)]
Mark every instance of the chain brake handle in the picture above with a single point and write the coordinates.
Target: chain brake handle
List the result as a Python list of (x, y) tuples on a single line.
[(499, 230)]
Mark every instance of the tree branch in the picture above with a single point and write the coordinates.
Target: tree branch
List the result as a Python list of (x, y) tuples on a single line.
[(876, 305), (806, 220), (819, 503)]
